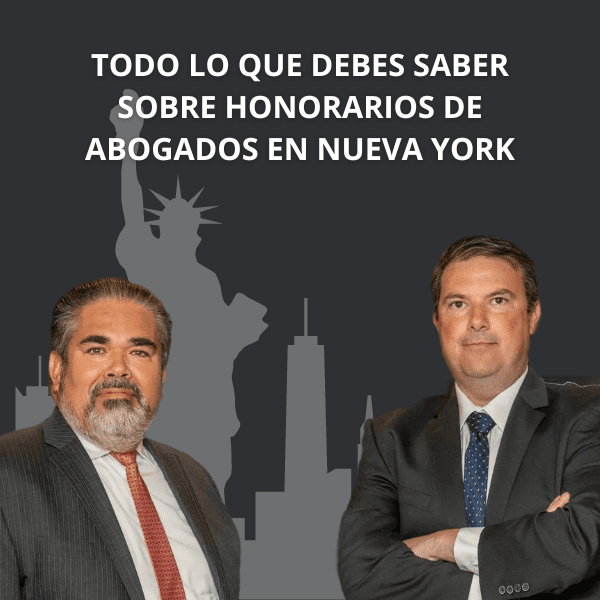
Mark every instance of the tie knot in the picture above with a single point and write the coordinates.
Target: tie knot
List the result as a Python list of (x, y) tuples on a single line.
[(480, 422), (125, 458)]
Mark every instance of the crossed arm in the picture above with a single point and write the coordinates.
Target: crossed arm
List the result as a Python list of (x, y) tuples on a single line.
[(374, 563), (440, 545)]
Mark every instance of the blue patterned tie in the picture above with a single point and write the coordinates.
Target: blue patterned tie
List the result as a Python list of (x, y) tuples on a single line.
[(477, 458)]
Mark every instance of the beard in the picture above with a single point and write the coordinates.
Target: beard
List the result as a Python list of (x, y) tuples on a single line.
[(122, 424)]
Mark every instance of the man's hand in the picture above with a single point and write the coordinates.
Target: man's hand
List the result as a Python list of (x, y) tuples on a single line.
[(435, 546), (559, 502)]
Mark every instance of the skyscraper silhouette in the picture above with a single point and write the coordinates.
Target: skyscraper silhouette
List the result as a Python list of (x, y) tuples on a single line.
[(294, 554), (35, 406)]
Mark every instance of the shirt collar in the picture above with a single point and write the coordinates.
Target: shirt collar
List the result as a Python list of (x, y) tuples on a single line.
[(498, 408), (94, 451)]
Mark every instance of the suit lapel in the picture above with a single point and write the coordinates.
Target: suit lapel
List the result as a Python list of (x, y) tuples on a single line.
[(523, 420), (188, 501), (68, 455), (443, 439)]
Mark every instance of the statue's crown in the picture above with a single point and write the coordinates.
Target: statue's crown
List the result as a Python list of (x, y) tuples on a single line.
[(179, 205)]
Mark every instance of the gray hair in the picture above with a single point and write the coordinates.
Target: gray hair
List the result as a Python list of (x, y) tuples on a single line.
[(66, 311)]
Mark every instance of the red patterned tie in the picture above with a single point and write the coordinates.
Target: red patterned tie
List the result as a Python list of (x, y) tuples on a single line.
[(163, 561)]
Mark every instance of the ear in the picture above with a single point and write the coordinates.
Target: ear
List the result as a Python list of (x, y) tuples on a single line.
[(55, 372), (534, 317), (164, 374), (436, 322)]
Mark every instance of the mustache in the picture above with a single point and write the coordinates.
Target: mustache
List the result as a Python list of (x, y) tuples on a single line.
[(116, 384), (478, 339)]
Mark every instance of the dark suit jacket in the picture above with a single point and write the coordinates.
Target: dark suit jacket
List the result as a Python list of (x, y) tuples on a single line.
[(59, 536), (410, 484)]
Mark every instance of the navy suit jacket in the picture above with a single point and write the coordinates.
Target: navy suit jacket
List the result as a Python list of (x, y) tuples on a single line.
[(410, 484), (59, 536)]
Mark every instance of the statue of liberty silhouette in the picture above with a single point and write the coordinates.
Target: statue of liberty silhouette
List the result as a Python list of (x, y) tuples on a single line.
[(198, 414)]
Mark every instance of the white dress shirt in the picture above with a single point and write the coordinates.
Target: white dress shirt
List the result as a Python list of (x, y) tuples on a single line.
[(467, 540), (192, 564)]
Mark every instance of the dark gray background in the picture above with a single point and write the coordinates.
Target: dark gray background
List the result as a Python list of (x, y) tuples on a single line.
[(359, 239)]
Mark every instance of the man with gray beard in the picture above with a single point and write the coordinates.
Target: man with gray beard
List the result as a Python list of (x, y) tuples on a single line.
[(89, 508), (122, 423)]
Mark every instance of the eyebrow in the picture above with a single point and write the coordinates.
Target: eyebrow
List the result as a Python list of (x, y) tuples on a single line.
[(95, 339), (136, 341), (500, 292), (449, 296), (142, 341)]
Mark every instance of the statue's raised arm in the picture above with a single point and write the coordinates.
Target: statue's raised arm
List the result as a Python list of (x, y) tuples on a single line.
[(131, 191)]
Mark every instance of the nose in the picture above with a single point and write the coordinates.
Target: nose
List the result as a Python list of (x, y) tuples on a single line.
[(478, 318), (117, 366)]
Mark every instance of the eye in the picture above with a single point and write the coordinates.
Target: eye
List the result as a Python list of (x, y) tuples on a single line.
[(96, 350), (140, 353), (457, 304), (499, 300)]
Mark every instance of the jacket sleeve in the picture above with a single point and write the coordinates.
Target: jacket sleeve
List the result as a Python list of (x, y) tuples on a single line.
[(373, 561), (552, 551), (9, 568)]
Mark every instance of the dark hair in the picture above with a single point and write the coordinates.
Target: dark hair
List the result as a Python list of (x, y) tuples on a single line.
[(492, 247), (66, 311)]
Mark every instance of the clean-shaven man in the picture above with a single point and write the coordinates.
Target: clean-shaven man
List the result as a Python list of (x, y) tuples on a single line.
[(493, 490), (89, 508)]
